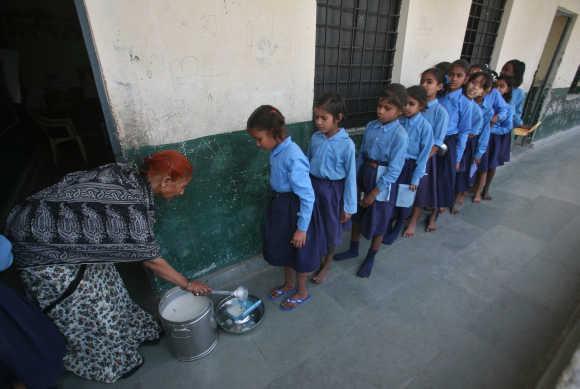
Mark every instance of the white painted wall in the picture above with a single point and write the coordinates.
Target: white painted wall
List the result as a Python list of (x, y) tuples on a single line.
[(525, 36), (429, 32), (182, 69)]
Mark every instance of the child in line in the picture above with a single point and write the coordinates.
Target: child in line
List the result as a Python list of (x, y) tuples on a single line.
[(420, 135), (481, 154), (500, 130), (459, 110), (432, 81), (515, 69), (333, 172), (474, 90), (293, 234), (379, 164)]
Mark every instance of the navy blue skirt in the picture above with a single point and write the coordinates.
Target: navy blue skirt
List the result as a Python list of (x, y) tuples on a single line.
[(31, 348), (329, 196), (506, 147), (278, 229), (427, 189), (373, 220), (446, 173), (400, 214), (494, 151), (462, 180)]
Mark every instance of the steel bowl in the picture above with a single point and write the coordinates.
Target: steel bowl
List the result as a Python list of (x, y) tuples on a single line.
[(226, 323)]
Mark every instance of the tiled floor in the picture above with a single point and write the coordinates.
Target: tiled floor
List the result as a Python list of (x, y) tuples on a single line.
[(478, 304)]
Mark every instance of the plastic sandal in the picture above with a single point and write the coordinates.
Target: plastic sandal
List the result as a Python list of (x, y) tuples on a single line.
[(278, 292), (295, 301)]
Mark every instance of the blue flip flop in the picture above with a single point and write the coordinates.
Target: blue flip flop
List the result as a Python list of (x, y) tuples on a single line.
[(279, 292), (295, 301)]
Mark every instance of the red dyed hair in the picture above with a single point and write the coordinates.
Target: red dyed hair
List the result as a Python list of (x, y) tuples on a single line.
[(168, 163)]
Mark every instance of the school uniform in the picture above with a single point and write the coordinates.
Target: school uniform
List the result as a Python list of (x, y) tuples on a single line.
[(459, 111), (469, 138), (437, 116), (517, 102), (499, 142), (293, 207), (333, 173), (496, 148), (481, 152), (379, 164), (420, 134)]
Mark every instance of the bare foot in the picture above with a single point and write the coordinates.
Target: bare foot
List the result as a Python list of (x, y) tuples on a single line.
[(320, 277), (477, 199), (431, 227), (456, 208), (409, 231), (487, 197), (442, 210)]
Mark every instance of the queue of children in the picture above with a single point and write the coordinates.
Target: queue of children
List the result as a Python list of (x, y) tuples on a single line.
[(433, 143)]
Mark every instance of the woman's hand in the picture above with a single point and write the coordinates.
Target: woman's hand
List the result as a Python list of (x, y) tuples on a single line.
[(344, 217), (197, 288), (298, 239)]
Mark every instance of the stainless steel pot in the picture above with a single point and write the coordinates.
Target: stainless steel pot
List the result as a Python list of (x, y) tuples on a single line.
[(193, 338)]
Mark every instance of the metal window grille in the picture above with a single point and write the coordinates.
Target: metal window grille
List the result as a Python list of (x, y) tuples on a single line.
[(355, 46), (484, 19)]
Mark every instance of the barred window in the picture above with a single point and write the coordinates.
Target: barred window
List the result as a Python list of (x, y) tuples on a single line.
[(355, 46), (484, 19)]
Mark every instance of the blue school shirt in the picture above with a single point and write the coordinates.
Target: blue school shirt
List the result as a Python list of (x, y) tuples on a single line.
[(290, 172), (474, 128), (334, 159), (385, 142), (505, 126), (517, 103), (496, 101), (483, 140), (6, 256), (459, 111), (420, 135), (438, 117)]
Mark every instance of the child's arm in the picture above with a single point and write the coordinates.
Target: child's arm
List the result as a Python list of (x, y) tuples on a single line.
[(519, 107), (500, 107), (350, 191), (426, 144), (483, 140), (464, 125), (302, 187), (440, 128)]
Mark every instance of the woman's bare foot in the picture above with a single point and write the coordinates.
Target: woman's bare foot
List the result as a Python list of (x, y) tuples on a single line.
[(409, 231)]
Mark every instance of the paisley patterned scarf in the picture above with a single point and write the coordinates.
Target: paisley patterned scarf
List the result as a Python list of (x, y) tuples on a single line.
[(99, 216)]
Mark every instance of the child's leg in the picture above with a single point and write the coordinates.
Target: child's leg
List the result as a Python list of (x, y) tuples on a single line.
[(410, 230), (459, 198), (432, 222), (320, 276), (301, 291), (352, 252), (289, 281), (479, 187), (490, 175), (366, 267)]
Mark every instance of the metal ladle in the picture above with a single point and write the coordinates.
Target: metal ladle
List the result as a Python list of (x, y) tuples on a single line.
[(241, 293)]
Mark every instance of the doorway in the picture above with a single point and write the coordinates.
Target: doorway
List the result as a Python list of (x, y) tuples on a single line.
[(548, 66), (54, 122)]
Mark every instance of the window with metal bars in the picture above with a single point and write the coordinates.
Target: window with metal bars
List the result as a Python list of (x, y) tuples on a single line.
[(484, 19), (355, 46)]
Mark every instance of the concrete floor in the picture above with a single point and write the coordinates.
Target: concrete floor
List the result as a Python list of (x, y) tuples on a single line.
[(481, 303)]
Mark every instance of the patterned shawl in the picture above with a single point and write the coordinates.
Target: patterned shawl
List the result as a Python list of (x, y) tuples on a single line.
[(98, 216)]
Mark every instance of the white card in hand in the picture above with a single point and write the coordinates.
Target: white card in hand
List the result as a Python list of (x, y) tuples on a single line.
[(405, 196)]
